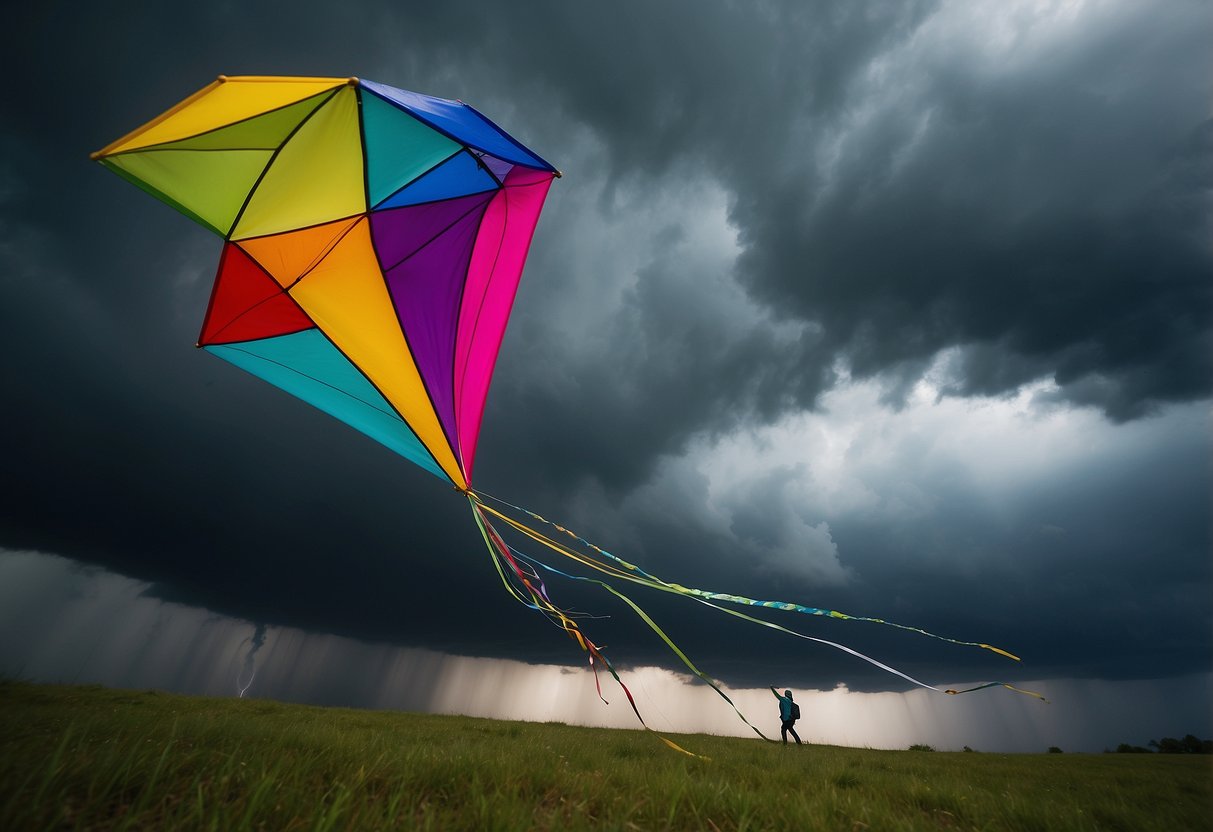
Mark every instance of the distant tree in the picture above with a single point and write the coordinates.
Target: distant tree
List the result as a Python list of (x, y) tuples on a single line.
[(1125, 748), (921, 747), (1054, 749), (968, 749), (1190, 744)]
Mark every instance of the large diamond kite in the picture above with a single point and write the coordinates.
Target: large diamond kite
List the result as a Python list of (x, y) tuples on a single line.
[(373, 243)]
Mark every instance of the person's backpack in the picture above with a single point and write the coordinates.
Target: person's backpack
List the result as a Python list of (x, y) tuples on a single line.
[(795, 712)]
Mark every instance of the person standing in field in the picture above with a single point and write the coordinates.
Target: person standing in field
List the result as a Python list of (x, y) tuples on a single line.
[(789, 712)]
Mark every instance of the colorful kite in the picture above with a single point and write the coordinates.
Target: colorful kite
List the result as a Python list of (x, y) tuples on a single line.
[(373, 240)]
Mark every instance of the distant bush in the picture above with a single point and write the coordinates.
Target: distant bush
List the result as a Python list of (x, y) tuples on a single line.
[(1054, 749), (968, 749), (1190, 744), (921, 747)]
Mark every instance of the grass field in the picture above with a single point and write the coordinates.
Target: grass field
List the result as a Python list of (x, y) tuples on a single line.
[(95, 758)]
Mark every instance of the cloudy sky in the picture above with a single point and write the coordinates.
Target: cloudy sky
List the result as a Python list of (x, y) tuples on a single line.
[(901, 309)]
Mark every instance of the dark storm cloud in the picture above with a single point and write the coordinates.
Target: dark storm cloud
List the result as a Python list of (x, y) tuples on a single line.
[(1047, 219), (885, 182), (676, 96), (903, 180), (1100, 571)]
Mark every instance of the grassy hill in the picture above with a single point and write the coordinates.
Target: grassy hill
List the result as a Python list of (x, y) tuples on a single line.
[(95, 758)]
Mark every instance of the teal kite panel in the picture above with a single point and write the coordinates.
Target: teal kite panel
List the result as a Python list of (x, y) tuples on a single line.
[(307, 365), (459, 121), (399, 148)]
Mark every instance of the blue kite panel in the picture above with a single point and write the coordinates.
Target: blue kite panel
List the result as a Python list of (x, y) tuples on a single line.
[(461, 175), (461, 122), (307, 365)]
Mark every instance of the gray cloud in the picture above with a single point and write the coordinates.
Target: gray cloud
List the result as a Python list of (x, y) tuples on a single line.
[(762, 206)]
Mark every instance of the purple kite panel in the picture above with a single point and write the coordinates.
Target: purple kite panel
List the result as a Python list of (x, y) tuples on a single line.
[(426, 286), (399, 233)]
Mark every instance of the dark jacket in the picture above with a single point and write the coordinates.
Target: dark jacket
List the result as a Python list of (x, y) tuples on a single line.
[(785, 704)]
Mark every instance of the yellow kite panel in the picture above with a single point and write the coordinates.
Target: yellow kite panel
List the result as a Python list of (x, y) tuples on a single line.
[(316, 176), (219, 104), (347, 298)]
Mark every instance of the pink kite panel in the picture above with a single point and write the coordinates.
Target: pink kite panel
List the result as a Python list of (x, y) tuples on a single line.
[(488, 295)]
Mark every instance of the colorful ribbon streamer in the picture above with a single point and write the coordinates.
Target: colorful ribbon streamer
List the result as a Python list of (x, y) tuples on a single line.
[(619, 568), (499, 552)]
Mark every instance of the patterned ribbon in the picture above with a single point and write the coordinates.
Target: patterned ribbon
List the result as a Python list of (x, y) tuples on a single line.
[(500, 553), (619, 568)]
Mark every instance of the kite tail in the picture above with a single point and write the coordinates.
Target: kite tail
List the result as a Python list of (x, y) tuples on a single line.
[(536, 597), (647, 619), (618, 568), (786, 606), (999, 684)]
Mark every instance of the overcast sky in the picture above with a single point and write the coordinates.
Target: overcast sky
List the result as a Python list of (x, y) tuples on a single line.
[(902, 309)]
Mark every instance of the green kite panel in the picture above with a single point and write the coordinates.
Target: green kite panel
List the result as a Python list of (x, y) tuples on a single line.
[(210, 184), (263, 132)]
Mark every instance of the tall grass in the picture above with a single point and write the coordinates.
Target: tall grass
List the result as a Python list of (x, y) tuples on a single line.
[(93, 758)]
